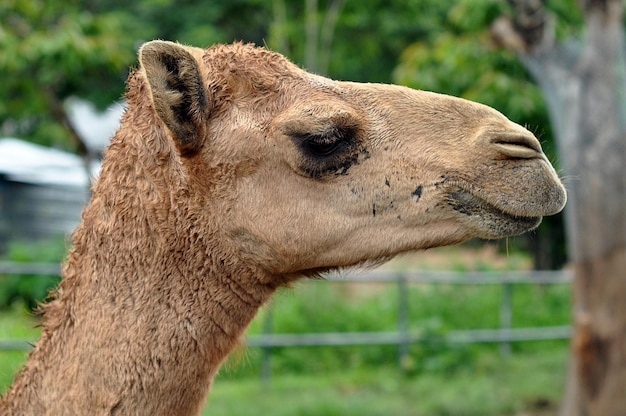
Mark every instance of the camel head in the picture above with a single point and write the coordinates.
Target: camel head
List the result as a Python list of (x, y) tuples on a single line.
[(302, 173)]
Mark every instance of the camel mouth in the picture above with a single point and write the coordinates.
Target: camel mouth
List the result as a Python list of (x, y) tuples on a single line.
[(493, 221)]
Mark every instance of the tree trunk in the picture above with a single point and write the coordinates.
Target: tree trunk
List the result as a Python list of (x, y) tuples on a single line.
[(279, 35), (318, 40), (326, 37), (584, 84), (311, 35), (59, 113)]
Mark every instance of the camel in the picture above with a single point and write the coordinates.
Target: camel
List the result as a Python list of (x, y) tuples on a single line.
[(234, 173)]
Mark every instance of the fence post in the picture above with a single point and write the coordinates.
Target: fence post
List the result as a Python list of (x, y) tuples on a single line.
[(403, 322), (506, 318)]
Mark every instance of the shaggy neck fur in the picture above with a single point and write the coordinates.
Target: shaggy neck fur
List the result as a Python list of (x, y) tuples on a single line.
[(150, 304)]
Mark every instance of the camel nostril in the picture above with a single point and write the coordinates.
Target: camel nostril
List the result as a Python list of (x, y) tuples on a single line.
[(517, 145)]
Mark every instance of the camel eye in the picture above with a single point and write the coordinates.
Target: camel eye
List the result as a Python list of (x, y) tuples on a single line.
[(328, 153), (321, 146), (318, 146)]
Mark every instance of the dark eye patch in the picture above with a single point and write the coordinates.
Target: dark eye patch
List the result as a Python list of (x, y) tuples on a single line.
[(332, 152)]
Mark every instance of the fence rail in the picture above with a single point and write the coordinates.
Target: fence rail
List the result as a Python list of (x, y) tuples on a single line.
[(458, 278), (402, 337), (43, 269), (395, 338)]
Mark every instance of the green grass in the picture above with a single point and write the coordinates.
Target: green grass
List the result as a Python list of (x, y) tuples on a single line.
[(494, 386), (15, 323)]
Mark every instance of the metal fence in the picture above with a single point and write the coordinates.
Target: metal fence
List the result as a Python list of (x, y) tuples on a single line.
[(403, 337)]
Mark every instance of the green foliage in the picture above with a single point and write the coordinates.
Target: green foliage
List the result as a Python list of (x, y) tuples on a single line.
[(30, 290), (369, 35), (195, 23), (51, 51), (15, 323)]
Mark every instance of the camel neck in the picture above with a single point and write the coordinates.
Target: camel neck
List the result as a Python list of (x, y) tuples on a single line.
[(112, 342), (151, 301)]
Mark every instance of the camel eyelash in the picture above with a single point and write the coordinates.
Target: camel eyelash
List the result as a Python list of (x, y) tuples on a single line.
[(328, 143), (321, 146), (329, 154)]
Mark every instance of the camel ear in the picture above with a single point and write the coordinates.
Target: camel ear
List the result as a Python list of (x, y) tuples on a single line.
[(178, 94)]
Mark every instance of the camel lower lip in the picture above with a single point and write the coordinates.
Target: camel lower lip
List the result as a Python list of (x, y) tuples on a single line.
[(471, 205)]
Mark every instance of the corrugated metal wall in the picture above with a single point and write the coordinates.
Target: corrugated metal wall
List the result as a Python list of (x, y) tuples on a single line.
[(33, 212)]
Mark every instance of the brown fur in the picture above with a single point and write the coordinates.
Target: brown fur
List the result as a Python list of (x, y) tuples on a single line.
[(235, 172)]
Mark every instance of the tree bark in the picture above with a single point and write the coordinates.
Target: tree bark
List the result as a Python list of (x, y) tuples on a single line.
[(318, 39), (312, 35), (326, 37), (59, 113), (584, 83), (279, 36)]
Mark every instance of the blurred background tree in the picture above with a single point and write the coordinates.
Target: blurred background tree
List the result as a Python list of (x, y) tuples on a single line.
[(583, 79)]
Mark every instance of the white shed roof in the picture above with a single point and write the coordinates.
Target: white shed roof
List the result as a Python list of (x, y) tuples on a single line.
[(22, 161)]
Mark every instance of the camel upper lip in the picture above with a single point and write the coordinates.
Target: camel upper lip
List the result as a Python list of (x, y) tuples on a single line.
[(517, 146)]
